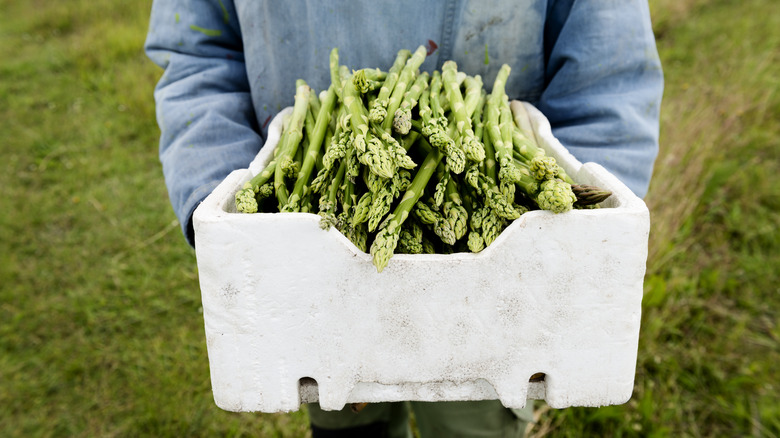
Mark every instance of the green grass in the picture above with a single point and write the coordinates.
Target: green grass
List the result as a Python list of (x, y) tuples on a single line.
[(101, 332), (100, 326), (709, 343)]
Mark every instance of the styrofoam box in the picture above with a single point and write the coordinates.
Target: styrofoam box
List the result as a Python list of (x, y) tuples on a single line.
[(294, 313)]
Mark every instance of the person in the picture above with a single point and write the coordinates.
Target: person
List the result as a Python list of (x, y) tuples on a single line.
[(230, 65)]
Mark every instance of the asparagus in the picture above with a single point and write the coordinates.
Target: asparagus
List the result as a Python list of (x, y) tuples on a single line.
[(405, 78), (425, 214), (289, 142), (314, 108), (335, 76), (508, 172), (394, 149), (387, 238), (555, 195), (328, 204), (441, 186), (426, 125), (436, 106), (462, 119), (487, 170), (454, 211), (476, 243), (434, 126), (497, 118), (489, 163), (492, 224), (316, 137), (457, 219), (476, 114), (402, 122), (362, 208), (435, 221), (379, 107), (371, 150), (246, 198), (381, 203), (589, 195), (338, 147), (367, 80), (411, 239)]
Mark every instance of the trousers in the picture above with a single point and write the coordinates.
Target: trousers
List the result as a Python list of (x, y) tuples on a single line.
[(457, 419)]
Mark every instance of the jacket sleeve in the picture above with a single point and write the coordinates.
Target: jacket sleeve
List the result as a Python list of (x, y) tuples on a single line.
[(204, 110), (604, 85)]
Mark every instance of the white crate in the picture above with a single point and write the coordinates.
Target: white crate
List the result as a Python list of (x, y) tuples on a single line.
[(285, 302)]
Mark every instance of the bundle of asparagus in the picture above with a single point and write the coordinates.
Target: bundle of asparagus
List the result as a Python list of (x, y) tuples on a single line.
[(410, 162)]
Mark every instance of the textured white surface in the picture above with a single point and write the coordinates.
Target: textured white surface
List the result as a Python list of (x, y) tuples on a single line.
[(284, 300)]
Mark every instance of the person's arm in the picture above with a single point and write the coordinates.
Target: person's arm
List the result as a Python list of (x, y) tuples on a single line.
[(604, 85), (204, 109)]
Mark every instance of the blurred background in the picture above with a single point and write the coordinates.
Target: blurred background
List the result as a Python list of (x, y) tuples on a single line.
[(101, 331)]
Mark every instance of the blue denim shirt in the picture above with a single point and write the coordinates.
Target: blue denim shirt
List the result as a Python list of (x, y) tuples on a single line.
[(230, 65)]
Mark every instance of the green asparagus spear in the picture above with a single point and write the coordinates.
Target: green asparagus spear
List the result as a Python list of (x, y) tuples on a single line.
[(405, 79), (402, 122), (386, 239), (316, 137), (379, 107), (290, 142)]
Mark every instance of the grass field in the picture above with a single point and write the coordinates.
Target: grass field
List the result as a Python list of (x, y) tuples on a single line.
[(100, 326)]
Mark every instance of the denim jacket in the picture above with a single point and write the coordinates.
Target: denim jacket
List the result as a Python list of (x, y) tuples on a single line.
[(591, 67)]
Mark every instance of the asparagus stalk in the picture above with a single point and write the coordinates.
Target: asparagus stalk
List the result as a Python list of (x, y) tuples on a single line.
[(492, 224), (314, 108), (246, 198), (362, 208), (394, 149), (436, 105), (589, 195), (437, 222), (553, 194), (405, 78), (434, 126), (441, 187), (329, 203), (316, 137), (474, 98), (426, 125), (337, 149), (454, 212), (411, 239), (379, 107), (475, 241), (497, 104), (489, 163), (387, 238), (381, 203), (371, 150), (476, 114), (335, 76), (461, 117), (290, 142), (338, 128), (367, 80), (402, 121), (508, 172)]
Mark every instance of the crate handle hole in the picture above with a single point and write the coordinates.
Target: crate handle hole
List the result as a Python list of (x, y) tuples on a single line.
[(308, 390)]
